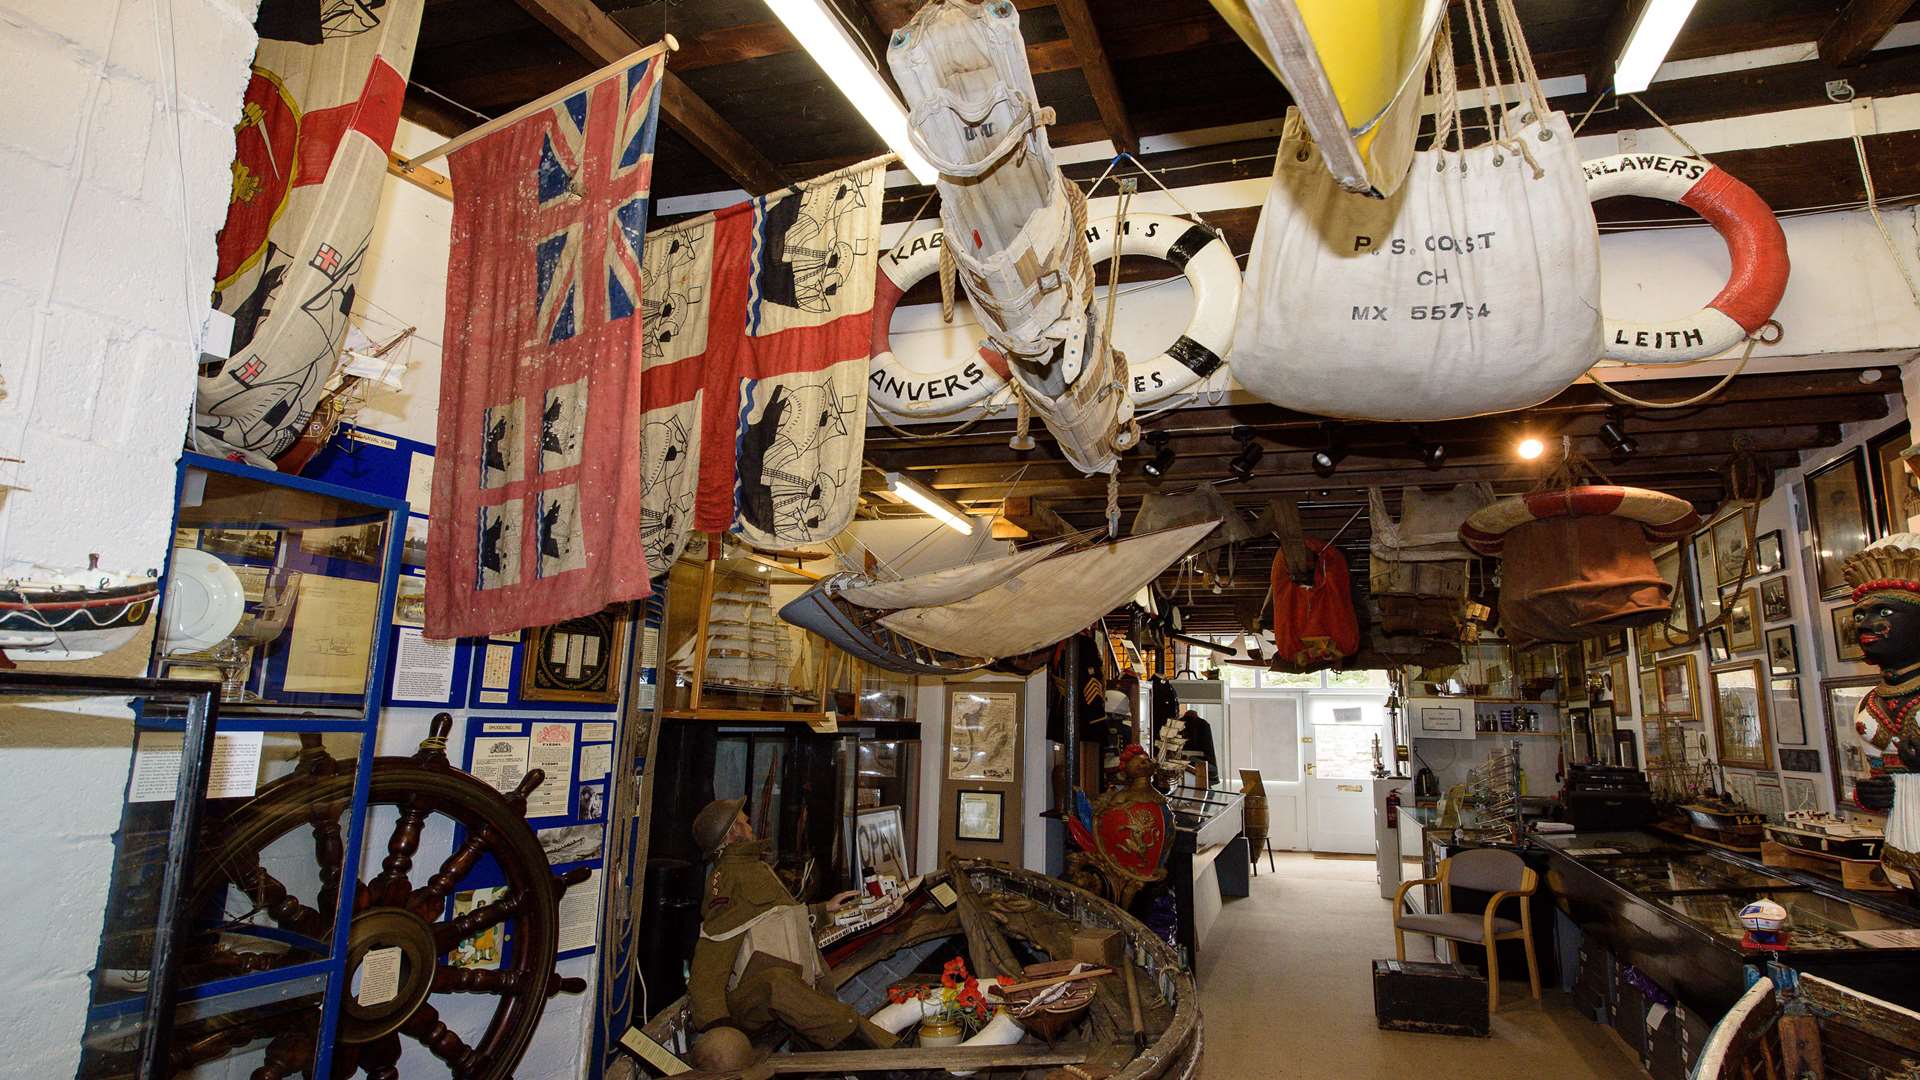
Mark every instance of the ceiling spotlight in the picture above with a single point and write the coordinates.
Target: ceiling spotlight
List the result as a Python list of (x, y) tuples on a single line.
[(1620, 445), (1431, 454), (1530, 448), (1248, 458), (1162, 460), (1328, 459)]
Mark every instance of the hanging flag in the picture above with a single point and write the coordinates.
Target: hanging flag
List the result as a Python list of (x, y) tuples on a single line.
[(759, 322), (537, 466), (310, 158)]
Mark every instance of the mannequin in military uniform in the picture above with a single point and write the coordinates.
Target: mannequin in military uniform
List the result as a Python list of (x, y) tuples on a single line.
[(755, 964), (1886, 618)]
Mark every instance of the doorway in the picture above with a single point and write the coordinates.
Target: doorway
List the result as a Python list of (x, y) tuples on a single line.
[(1314, 750)]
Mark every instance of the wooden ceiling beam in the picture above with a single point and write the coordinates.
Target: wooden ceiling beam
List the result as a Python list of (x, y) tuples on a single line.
[(1099, 73), (592, 33), (1861, 25), (1035, 517)]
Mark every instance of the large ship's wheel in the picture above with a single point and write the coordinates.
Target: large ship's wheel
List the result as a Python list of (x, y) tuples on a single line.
[(389, 913)]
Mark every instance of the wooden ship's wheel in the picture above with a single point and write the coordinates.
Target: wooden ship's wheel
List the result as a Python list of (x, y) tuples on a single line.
[(389, 912)]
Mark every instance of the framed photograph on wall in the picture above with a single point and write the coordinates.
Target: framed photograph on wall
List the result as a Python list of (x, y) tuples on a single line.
[(1768, 556), (1677, 632), (1847, 750), (881, 843), (1838, 511), (1783, 652), (1679, 680), (1706, 576), (1614, 643), (1789, 722), (1650, 693), (1621, 690), (983, 733), (1626, 752), (1743, 620), (1741, 729), (979, 815), (1846, 638), (1732, 560), (1798, 760), (1718, 651), (1800, 793), (1895, 490), (576, 660), (1776, 604)]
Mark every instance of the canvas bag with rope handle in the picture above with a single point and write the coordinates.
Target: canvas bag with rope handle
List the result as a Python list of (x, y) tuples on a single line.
[(1474, 289)]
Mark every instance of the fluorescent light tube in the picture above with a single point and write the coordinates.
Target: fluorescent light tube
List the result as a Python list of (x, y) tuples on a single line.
[(1647, 47), (931, 504), (825, 38)]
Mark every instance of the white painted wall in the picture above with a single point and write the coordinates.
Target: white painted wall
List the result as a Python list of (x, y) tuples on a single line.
[(103, 283)]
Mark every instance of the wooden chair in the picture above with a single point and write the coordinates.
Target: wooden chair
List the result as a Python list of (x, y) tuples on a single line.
[(1255, 823), (1489, 870)]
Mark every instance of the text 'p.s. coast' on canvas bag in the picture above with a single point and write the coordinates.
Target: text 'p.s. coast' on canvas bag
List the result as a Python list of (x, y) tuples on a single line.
[(1474, 288)]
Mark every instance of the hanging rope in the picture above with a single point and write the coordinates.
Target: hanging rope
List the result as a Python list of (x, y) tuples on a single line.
[(1668, 128), (1873, 208), (1627, 399)]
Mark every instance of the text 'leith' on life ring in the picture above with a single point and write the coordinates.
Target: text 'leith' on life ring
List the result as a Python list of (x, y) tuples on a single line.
[(1203, 257), (1754, 241)]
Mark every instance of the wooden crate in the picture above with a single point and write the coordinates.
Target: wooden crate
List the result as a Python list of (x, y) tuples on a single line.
[(1860, 874), (1435, 999)]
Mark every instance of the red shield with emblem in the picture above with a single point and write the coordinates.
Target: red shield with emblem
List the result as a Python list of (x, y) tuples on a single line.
[(1133, 836), (263, 173)]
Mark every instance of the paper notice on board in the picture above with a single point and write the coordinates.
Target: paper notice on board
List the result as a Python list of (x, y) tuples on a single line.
[(493, 697), (420, 483), (497, 674), (596, 732), (552, 754), (379, 976), (579, 912), (649, 648), (422, 667), (500, 763), (595, 761), (235, 773), (331, 646), (1885, 939)]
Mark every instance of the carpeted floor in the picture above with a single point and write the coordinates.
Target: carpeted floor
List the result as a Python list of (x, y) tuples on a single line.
[(1286, 991)]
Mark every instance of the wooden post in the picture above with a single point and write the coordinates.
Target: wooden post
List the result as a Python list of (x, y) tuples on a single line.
[(706, 615)]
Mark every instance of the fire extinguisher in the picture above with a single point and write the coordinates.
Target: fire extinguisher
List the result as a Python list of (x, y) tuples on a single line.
[(1393, 809)]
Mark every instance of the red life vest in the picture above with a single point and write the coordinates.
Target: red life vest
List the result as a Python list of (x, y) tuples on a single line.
[(1314, 626)]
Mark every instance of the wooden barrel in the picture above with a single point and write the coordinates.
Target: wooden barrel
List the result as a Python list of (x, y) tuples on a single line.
[(1255, 817)]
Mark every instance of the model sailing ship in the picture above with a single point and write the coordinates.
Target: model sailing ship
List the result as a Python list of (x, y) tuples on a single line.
[(1016, 225)]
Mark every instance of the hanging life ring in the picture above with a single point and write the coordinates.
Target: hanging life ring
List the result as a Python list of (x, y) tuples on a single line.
[(1203, 257), (1754, 242)]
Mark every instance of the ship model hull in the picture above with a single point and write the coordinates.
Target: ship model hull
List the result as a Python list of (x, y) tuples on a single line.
[(1735, 827), (1825, 845)]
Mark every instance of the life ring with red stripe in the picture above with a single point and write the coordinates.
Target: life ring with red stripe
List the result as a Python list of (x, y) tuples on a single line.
[(1755, 243), (1663, 516), (1197, 252)]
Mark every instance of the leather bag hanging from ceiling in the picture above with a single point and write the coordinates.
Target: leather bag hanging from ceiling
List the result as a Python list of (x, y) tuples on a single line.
[(1473, 289), (1576, 562), (1315, 626), (1417, 572)]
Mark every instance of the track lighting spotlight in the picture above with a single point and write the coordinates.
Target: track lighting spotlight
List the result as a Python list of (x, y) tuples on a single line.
[(1329, 458), (1163, 455), (1620, 445), (1431, 454), (1248, 458), (1530, 447)]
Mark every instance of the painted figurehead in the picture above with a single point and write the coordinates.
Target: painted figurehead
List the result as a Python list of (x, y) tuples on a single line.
[(1886, 619)]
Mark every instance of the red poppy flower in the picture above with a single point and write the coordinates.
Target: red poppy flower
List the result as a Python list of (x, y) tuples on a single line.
[(955, 971)]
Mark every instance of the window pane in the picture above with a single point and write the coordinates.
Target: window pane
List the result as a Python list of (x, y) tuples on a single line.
[(1343, 751), (1243, 678), (1289, 679), (1374, 678)]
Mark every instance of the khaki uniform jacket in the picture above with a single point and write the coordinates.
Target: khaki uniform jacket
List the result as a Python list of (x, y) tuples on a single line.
[(741, 888)]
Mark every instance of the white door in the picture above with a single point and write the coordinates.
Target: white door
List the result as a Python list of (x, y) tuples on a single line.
[(1339, 767), (1264, 733)]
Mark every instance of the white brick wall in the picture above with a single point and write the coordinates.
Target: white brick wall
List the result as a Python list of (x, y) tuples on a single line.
[(103, 273)]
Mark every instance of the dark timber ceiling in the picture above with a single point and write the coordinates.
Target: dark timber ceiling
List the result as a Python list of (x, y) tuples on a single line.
[(1122, 69)]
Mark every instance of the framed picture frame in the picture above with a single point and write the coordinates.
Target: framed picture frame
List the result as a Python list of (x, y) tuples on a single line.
[(1783, 652), (1800, 792), (1896, 492), (576, 660), (1789, 722), (1614, 643), (880, 844), (1718, 651), (1776, 601), (1650, 693), (1847, 750), (1626, 752), (1743, 620), (1620, 692), (1732, 560), (979, 816), (1591, 653), (983, 733), (1768, 555), (1796, 760), (1706, 575), (1846, 640), (1679, 687), (1839, 512), (1679, 630), (1742, 732)]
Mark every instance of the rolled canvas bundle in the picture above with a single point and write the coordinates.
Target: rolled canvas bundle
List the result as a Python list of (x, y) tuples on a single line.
[(1473, 289), (1576, 563)]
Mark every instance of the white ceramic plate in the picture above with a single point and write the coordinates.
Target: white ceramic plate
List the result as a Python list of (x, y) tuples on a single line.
[(204, 601)]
